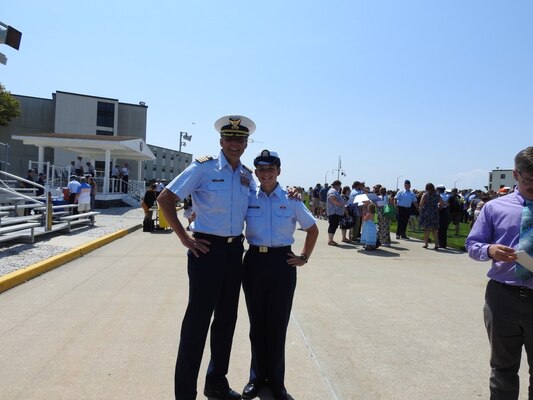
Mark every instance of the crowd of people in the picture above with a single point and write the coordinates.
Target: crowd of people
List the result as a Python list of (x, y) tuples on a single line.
[(433, 210), (80, 190)]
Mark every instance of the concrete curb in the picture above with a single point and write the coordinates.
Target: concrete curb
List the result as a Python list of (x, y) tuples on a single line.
[(16, 278)]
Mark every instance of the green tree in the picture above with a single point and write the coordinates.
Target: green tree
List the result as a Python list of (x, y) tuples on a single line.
[(9, 106)]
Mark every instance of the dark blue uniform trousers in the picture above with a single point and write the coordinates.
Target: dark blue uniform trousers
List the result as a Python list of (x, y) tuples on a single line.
[(269, 284), (403, 218), (508, 315), (214, 285), (444, 221)]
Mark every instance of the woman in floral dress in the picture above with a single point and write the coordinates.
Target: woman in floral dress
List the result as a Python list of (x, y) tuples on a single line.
[(429, 214), (383, 221)]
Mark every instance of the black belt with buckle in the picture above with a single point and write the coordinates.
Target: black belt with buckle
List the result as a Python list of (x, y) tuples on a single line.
[(522, 290), (266, 249), (219, 239)]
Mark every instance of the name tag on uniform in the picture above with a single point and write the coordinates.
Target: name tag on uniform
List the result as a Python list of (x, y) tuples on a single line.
[(217, 180)]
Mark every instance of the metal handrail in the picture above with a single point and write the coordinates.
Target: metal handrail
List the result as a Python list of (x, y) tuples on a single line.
[(17, 193)]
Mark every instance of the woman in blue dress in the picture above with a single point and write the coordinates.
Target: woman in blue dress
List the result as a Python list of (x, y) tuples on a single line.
[(369, 231)]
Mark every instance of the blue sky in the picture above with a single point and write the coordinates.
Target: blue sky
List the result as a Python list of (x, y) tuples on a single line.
[(433, 91)]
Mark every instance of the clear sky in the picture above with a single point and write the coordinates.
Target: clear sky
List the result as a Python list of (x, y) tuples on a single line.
[(431, 90)]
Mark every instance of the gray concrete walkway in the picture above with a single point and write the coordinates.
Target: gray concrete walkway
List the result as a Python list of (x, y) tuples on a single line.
[(399, 323)]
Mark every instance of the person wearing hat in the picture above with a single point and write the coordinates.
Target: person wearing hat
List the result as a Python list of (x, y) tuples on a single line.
[(78, 168), (503, 191), (269, 277), (455, 204), (403, 201), (505, 226), (444, 217), (90, 169), (220, 187)]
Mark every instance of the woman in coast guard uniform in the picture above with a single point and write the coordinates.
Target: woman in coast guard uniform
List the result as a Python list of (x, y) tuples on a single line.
[(220, 187), (270, 273)]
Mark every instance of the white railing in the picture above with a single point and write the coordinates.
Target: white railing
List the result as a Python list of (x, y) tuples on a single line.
[(58, 177)]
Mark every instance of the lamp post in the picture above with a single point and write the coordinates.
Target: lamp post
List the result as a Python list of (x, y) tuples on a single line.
[(339, 170), (183, 136), (397, 179), (455, 183), (9, 36)]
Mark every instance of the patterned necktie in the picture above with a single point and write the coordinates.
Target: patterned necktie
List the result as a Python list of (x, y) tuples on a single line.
[(526, 239)]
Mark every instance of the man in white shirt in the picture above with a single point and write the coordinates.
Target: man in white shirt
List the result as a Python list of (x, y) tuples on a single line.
[(125, 171), (72, 188)]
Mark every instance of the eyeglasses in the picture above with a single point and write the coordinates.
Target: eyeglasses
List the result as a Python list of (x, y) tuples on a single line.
[(525, 181)]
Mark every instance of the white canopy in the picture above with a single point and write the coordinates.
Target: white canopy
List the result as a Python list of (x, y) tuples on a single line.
[(92, 146)]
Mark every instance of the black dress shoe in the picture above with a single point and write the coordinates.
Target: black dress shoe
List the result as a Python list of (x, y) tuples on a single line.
[(251, 390), (222, 394)]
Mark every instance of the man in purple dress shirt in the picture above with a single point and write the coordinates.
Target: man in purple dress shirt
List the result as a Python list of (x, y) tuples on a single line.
[(508, 309)]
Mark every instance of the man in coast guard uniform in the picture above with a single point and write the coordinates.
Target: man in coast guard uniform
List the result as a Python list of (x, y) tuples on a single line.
[(220, 187), (270, 273), (403, 201)]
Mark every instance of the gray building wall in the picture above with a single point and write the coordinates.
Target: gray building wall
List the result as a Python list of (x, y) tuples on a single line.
[(68, 113), (167, 164), (132, 120), (37, 116)]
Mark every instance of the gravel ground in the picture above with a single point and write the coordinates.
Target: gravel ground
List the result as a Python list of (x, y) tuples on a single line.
[(21, 255)]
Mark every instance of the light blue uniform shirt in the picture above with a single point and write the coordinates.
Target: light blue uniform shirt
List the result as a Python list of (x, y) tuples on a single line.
[(405, 198), (220, 195), (445, 197), (353, 193), (271, 220)]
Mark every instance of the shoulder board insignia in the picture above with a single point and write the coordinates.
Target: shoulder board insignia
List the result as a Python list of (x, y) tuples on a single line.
[(247, 169), (204, 159)]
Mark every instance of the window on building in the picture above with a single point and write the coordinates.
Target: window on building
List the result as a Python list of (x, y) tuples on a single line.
[(171, 170), (172, 157), (104, 133), (105, 114), (502, 176), (163, 168), (164, 155), (154, 167)]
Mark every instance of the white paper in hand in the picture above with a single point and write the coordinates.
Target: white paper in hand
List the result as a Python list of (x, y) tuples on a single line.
[(524, 259)]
